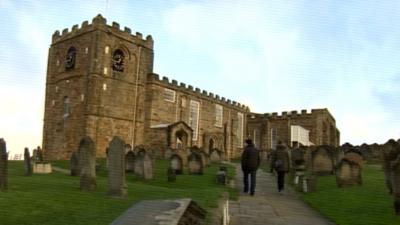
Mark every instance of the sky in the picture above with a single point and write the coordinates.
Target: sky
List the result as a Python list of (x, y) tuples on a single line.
[(271, 55)]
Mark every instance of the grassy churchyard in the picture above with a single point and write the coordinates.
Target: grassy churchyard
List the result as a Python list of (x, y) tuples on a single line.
[(366, 204), (56, 199)]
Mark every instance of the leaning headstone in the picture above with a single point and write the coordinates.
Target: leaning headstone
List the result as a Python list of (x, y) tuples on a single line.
[(194, 164), (74, 164), (27, 163), (215, 156), (3, 166), (322, 163), (87, 164), (130, 161), (116, 169), (348, 173), (175, 163)]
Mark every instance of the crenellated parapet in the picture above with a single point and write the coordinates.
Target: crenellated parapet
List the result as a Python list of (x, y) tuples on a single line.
[(173, 84), (100, 23), (286, 114)]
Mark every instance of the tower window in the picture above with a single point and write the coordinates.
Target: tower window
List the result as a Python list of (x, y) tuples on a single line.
[(240, 129), (169, 95), (118, 61), (70, 58), (194, 118), (66, 106), (218, 115)]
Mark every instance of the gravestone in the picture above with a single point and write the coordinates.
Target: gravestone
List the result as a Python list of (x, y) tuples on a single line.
[(27, 163), (204, 158), (321, 159), (215, 156), (395, 181), (176, 164), (74, 164), (87, 164), (130, 161), (390, 152), (171, 175), (221, 175), (34, 155), (195, 165), (143, 165), (3, 166), (348, 173), (116, 169), (168, 153), (354, 155), (39, 154)]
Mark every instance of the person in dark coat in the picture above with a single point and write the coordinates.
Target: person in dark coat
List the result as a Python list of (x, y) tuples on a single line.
[(280, 162), (250, 164)]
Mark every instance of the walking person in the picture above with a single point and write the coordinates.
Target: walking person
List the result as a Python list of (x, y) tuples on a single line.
[(280, 163), (250, 163)]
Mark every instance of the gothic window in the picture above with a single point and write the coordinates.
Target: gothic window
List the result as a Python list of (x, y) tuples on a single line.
[(240, 129), (66, 106), (169, 95), (218, 115), (194, 117), (70, 58), (118, 61)]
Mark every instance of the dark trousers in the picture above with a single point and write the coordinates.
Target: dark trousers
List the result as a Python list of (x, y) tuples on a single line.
[(281, 180), (252, 174)]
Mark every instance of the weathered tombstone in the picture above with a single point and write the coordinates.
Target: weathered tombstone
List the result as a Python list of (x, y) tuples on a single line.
[(354, 155), (348, 173), (309, 184), (395, 180), (175, 163), (116, 169), (87, 164), (168, 153), (34, 155), (39, 154), (204, 158), (130, 161), (171, 175), (3, 166), (322, 163), (74, 164), (27, 163), (215, 156), (221, 175), (390, 152), (143, 165), (194, 164)]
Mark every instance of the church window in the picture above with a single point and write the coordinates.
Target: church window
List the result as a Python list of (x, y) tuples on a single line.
[(194, 118), (118, 61), (66, 106), (70, 58), (218, 115), (169, 95)]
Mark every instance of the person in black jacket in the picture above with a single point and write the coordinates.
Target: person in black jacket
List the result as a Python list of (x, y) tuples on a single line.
[(280, 162), (250, 163)]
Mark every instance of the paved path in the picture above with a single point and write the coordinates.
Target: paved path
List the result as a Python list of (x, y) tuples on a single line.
[(268, 206)]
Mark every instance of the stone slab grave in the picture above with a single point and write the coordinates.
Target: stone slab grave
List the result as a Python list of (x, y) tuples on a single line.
[(3, 166), (348, 173), (163, 212), (195, 165)]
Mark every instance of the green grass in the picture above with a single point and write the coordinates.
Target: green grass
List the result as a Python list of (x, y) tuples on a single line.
[(56, 199), (367, 204)]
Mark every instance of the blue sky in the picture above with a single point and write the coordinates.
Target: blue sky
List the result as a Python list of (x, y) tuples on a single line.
[(270, 55)]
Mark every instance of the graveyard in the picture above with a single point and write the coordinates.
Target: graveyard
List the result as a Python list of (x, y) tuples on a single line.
[(57, 199)]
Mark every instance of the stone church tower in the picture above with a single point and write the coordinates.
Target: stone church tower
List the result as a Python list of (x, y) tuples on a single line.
[(95, 86)]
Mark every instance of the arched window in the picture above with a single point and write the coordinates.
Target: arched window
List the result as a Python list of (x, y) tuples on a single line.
[(118, 60), (66, 106), (70, 58)]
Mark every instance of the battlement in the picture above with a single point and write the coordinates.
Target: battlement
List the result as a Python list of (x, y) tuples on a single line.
[(100, 23), (173, 84), (286, 114)]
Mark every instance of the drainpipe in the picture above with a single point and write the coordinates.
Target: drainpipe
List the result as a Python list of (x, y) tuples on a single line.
[(133, 126)]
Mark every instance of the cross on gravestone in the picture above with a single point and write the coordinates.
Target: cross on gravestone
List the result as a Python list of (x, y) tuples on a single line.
[(74, 164), (116, 168), (87, 163), (194, 164), (3, 166), (27, 163)]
